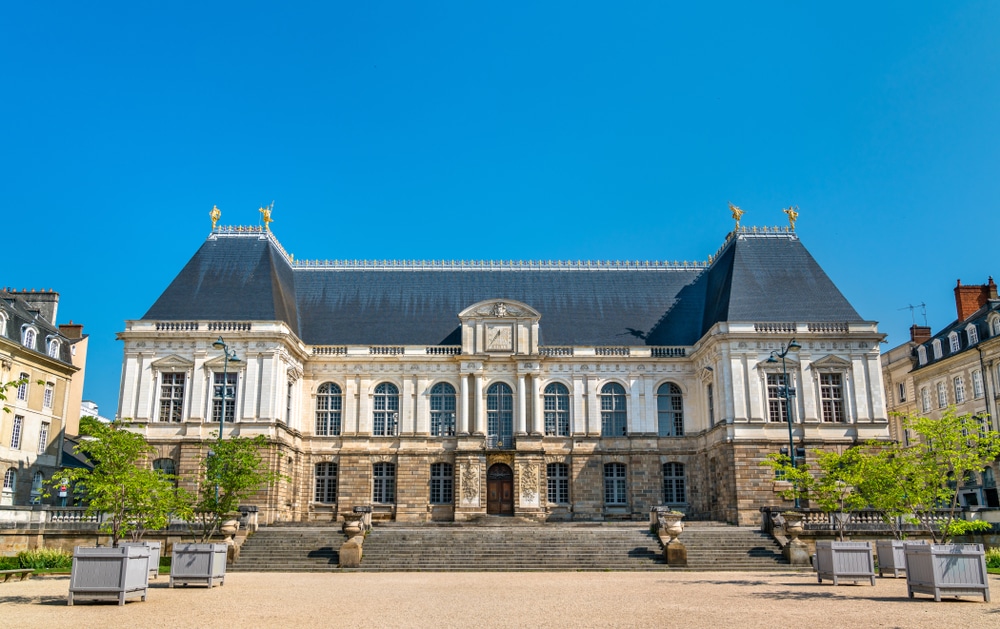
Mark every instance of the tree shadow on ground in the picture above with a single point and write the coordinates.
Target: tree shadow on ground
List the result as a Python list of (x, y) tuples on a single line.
[(32, 600)]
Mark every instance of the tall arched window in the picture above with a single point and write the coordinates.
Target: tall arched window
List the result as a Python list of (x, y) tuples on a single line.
[(329, 402), (386, 410), (614, 410), (674, 490), (670, 410), (3, 324), (326, 483), (500, 414), (615, 484), (442, 483), (557, 410), (443, 410), (10, 479), (54, 348), (28, 336), (384, 483)]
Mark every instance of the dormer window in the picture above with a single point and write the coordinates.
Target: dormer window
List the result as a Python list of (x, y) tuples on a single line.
[(28, 336), (995, 326), (953, 343), (3, 324), (972, 333), (937, 348), (54, 348), (922, 355)]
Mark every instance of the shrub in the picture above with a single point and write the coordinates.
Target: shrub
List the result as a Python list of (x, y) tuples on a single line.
[(45, 558), (993, 558), (9, 563)]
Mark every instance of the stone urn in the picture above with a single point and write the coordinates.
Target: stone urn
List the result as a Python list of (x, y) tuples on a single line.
[(670, 523), (352, 525), (229, 528), (793, 525)]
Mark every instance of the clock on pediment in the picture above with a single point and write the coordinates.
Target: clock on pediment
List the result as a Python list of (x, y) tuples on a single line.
[(499, 337)]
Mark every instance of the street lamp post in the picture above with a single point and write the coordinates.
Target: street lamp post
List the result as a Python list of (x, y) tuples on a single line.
[(227, 355), (787, 392)]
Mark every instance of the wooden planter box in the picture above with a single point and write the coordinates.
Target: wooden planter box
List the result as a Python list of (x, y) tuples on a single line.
[(947, 569), (109, 574), (203, 564), (851, 561), (154, 556), (891, 556)]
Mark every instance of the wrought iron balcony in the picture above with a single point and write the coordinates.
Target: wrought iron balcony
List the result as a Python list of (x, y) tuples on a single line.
[(498, 442)]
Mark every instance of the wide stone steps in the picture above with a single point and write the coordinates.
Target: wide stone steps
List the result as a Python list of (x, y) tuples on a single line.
[(554, 547)]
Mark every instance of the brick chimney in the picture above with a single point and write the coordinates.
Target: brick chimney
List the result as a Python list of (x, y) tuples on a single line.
[(969, 299), (920, 334), (75, 330)]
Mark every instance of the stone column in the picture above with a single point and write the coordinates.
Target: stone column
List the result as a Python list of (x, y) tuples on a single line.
[(593, 408), (537, 427), (522, 412), (480, 407), (463, 404)]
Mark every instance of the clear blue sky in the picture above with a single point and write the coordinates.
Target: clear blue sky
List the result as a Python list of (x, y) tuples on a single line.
[(495, 130)]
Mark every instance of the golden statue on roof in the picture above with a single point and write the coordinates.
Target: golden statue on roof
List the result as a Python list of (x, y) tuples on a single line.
[(737, 214), (266, 211), (793, 215), (216, 214)]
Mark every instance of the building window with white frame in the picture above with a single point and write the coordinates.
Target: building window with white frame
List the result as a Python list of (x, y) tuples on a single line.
[(385, 411), (973, 334), (384, 483), (614, 410), (500, 414), (901, 389), (326, 483), (936, 345), (959, 383), (777, 404), (3, 324), (171, 396), (10, 479), (15, 433), (615, 484), (996, 326), (48, 396), (557, 478), (22, 388), (670, 410), (28, 336), (673, 484), (442, 483), (922, 355), (43, 437), (53, 348), (831, 395), (556, 405), (925, 399), (977, 384), (37, 485), (443, 410), (942, 395), (329, 407), (953, 342), (224, 397)]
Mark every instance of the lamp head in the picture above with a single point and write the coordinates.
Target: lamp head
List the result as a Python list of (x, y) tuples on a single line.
[(220, 344), (793, 346), (771, 358)]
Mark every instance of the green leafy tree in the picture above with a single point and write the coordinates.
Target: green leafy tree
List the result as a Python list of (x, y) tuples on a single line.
[(885, 473), (131, 496), (232, 471)]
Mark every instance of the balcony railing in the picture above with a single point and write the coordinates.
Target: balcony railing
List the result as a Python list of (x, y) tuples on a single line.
[(496, 442)]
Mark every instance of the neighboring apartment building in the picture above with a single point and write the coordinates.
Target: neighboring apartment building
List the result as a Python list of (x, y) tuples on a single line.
[(447, 390), (42, 411), (958, 367)]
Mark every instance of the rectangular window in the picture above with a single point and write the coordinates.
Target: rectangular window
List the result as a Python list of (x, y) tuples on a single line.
[(326, 483), (615, 484), (558, 482), (673, 484), (22, 389), (171, 396), (925, 399), (953, 342), (831, 394), (942, 395), (442, 484), (224, 398), (43, 438), (959, 390), (47, 398), (384, 483), (973, 335), (15, 433), (777, 407), (711, 406), (901, 388), (977, 384)]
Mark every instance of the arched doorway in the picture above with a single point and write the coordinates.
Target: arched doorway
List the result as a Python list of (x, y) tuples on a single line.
[(500, 490)]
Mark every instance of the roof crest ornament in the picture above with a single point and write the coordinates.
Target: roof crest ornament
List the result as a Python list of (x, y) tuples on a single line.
[(215, 214), (266, 211), (737, 214), (793, 215)]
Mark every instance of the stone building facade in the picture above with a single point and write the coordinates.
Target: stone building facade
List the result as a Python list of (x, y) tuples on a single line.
[(549, 390), (50, 359), (956, 368)]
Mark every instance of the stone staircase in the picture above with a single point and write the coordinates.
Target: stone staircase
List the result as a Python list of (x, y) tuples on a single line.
[(507, 545)]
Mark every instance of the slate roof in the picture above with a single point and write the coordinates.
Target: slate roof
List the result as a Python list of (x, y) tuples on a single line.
[(979, 320), (19, 313), (755, 278)]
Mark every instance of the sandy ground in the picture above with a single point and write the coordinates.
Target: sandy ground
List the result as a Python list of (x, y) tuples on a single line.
[(509, 599)]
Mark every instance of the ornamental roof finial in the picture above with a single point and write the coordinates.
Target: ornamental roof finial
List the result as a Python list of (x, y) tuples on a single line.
[(266, 211), (793, 214), (216, 214), (737, 214)]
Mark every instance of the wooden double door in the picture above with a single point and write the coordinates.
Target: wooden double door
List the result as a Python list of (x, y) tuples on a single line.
[(500, 490)]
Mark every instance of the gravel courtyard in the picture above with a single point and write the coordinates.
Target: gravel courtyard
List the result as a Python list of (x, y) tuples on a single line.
[(561, 599)]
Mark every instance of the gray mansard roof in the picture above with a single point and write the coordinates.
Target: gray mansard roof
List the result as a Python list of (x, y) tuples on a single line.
[(239, 276)]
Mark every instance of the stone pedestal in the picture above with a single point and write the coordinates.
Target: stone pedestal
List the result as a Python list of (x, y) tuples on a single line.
[(676, 554), (350, 553), (797, 553)]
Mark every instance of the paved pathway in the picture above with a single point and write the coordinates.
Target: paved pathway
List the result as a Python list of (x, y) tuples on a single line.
[(563, 599)]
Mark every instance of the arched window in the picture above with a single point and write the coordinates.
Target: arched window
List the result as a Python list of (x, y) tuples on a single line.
[(558, 482), (386, 410), (936, 344), (996, 326), (28, 335), (384, 482), (972, 333), (54, 348), (615, 484), (922, 355), (329, 402), (670, 410), (556, 406), (953, 342), (10, 479), (500, 414), (3, 324), (989, 480), (36, 487), (674, 492), (326, 482), (442, 483), (443, 410), (614, 411)]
